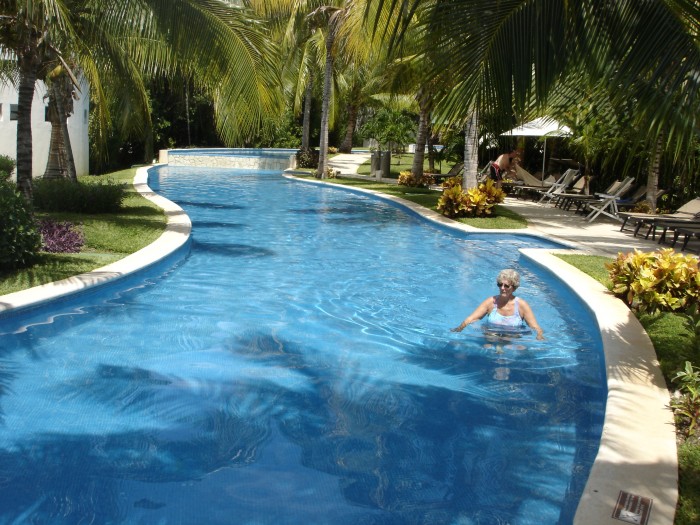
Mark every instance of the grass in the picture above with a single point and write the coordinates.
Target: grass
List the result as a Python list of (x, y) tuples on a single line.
[(673, 341), (108, 238), (404, 162)]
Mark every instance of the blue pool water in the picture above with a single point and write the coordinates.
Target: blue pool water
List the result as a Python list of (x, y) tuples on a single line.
[(296, 366)]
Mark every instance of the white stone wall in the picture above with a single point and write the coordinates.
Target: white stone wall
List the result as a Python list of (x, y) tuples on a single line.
[(231, 161), (41, 130)]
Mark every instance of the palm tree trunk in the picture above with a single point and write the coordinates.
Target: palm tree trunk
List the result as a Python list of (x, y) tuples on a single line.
[(55, 165), (346, 146), (328, 74), (471, 152), (653, 175), (28, 66), (306, 124), (61, 163), (421, 138), (431, 149)]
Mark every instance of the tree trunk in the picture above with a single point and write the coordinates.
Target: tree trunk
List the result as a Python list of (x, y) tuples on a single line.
[(471, 152), (431, 149), (61, 163), (55, 165), (28, 66), (421, 137), (346, 146), (328, 74), (306, 125), (653, 175)]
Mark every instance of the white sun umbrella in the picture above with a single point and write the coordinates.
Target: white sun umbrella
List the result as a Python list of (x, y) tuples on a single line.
[(540, 127)]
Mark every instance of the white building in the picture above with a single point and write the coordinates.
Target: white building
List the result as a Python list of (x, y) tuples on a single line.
[(41, 128)]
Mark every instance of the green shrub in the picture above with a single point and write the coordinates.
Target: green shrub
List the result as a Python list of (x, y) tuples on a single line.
[(7, 165), (62, 195), (686, 402), (656, 281), (20, 241), (475, 202), (307, 158)]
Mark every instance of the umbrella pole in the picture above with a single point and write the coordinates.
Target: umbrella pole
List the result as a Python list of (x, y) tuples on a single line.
[(544, 157)]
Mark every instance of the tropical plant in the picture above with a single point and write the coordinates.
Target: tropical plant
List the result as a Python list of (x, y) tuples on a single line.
[(453, 203), (115, 46), (475, 202), (686, 403), (60, 237), (407, 178), (7, 166), (504, 67), (656, 281), (452, 182), (392, 128), (20, 241)]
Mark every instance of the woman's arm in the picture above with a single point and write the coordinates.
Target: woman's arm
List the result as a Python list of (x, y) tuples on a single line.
[(481, 310), (529, 317)]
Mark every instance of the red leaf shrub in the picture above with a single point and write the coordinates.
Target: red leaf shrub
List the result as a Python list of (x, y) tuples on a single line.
[(60, 237)]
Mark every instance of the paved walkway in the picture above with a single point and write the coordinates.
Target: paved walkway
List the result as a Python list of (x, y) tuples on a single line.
[(600, 237)]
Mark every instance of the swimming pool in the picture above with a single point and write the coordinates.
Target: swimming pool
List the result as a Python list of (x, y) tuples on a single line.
[(297, 367)]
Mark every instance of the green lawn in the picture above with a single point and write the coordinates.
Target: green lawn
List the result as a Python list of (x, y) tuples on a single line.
[(674, 342), (404, 162), (108, 238)]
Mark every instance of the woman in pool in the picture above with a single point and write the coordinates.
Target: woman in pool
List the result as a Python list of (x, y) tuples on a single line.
[(504, 312)]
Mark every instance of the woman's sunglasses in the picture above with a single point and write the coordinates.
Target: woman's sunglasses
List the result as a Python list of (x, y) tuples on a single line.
[(504, 285)]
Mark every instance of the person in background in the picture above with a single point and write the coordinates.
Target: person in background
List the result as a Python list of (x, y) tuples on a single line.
[(504, 166), (504, 312)]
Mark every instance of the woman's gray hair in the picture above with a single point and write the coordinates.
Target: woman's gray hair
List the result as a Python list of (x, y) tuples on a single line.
[(510, 276)]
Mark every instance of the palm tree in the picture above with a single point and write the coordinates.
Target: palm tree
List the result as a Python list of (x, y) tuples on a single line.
[(117, 45), (60, 163), (327, 18), (507, 55)]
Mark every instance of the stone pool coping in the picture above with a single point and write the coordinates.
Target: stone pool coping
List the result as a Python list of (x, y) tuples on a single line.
[(176, 234), (635, 473), (637, 451)]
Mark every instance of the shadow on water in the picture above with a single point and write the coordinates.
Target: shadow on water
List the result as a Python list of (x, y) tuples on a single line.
[(231, 249), (217, 224), (401, 454), (210, 205)]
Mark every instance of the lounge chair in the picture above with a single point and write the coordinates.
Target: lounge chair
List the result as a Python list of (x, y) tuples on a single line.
[(567, 200), (607, 203), (529, 179), (665, 224), (687, 230), (561, 186), (639, 196), (688, 211), (455, 170), (530, 185)]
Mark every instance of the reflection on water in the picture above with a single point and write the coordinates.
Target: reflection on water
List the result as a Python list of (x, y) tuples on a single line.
[(295, 369)]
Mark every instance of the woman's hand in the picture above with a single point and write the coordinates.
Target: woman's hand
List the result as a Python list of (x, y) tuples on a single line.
[(459, 328)]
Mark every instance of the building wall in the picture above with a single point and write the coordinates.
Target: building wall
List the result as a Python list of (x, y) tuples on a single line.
[(41, 130)]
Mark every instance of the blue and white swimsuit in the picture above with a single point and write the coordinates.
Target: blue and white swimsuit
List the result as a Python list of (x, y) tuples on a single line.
[(506, 323)]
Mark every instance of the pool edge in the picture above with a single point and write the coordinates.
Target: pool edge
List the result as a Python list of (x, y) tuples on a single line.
[(177, 232), (637, 453)]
